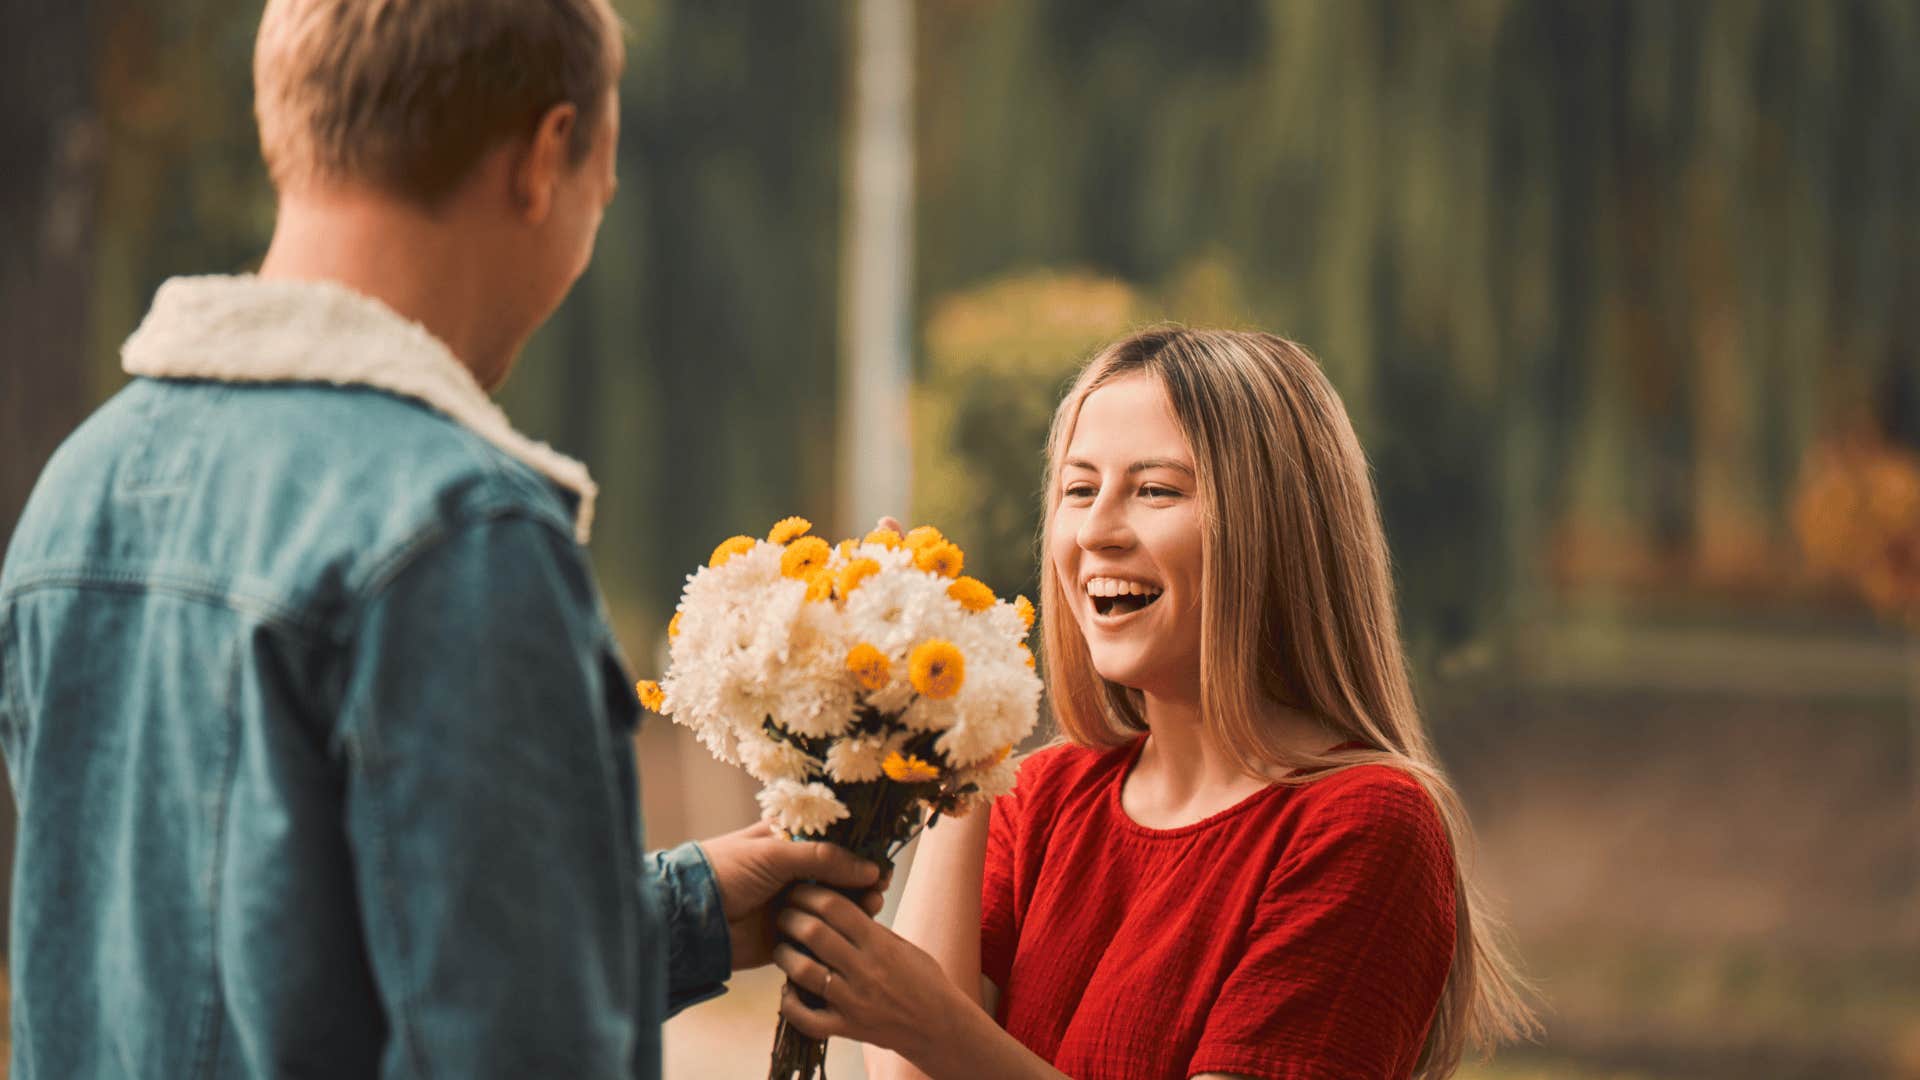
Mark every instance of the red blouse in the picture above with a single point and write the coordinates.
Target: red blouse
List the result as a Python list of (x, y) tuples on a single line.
[(1302, 934)]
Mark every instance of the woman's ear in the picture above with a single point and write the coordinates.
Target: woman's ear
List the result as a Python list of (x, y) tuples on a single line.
[(543, 162)]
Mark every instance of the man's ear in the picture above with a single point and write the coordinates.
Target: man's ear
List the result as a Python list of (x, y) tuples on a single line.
[(543, 162)]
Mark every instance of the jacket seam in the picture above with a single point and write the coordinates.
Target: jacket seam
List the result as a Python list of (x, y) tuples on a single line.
[(210, 1033), (192, 587), (388, 568)]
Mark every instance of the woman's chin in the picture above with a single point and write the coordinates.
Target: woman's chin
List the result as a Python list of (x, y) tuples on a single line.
[(1127, 671)]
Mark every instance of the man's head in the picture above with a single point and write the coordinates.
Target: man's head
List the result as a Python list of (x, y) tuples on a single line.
[(494, 120), (408, 95)]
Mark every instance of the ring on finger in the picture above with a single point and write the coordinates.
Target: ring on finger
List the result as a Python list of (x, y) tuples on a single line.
[(827, 983)]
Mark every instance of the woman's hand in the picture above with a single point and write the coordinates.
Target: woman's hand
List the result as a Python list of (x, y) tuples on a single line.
[(878, 987), (751, 867)]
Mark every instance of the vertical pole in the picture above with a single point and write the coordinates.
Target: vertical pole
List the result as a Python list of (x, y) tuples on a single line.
[(877, 271)]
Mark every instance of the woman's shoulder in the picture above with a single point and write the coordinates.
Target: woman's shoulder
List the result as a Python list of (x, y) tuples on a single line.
[(1375, 804)]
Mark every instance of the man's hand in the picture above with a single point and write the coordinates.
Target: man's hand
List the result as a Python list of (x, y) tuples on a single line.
[(753, 867)]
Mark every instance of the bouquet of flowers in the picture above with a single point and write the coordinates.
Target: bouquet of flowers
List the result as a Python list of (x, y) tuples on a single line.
[(867, 685)]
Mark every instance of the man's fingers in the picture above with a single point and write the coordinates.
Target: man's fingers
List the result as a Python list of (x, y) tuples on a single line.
[(893, 523), (872, 902), (833, 865)]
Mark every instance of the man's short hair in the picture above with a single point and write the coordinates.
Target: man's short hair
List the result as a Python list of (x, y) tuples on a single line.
[(408, 95)]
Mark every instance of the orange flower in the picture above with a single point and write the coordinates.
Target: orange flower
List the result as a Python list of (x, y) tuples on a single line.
[(924, 536), (937, 669), (787, 530), (820, 585), (907, 769), (972, 594), (941, 558), (804, 556), (651, 696), (855, 572), (731, 546), (886, 538), (870, 667), (1026, 654), (1024, 608), (673, 626)]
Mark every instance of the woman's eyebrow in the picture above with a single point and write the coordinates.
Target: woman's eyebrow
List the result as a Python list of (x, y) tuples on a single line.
[(1160, 463), (1137, 467)]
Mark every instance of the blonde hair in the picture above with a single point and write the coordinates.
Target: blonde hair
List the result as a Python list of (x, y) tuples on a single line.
[(1297, 608), (407, 95)]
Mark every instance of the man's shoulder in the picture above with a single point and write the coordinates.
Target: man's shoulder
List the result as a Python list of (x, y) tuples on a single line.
[(304, 493)]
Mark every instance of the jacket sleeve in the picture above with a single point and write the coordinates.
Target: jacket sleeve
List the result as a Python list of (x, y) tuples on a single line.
[(513, 928), (700, 949)]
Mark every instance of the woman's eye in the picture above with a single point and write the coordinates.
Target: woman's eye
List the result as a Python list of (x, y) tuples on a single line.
[(1079, 491), (1155, 491)]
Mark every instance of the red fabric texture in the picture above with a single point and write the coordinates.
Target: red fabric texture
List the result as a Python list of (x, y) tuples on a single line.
[(1302, 934)]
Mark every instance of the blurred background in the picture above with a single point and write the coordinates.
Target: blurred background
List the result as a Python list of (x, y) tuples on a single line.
[(1623, 297)]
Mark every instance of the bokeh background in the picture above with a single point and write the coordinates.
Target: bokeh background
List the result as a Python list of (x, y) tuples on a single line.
[(1623, 297)]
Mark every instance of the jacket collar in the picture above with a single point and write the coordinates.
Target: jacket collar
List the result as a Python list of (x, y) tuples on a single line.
[(251, 329)]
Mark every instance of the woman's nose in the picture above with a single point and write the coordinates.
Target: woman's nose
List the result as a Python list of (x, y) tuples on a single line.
[(1104, 527)]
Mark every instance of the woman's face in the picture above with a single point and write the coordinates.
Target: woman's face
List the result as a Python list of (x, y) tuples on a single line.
[(1126, 544)]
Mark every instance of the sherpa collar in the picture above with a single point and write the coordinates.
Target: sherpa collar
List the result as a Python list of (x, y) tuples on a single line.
[(251, 329)]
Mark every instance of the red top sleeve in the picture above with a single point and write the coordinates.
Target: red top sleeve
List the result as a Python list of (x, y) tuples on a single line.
[(1350, 944)]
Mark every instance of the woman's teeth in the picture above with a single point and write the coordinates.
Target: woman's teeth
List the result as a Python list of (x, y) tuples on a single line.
[(1117, 596)]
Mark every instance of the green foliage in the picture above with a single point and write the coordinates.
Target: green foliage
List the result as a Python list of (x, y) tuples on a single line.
[(998, 358)]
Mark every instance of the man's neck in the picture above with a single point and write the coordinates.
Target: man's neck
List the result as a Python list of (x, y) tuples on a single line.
[(425, 269)]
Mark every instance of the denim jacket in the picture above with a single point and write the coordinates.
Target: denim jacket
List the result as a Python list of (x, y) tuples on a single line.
[(320, 739)]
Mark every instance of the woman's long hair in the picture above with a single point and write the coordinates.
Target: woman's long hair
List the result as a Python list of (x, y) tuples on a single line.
[(1297, 609)]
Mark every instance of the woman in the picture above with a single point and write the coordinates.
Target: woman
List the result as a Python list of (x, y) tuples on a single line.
[(1244, 863)]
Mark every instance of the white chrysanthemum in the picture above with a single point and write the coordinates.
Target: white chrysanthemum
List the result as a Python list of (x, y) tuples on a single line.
[(994, 780), (798, 809), (860, 758), (926, 714), (896, 695), (769, 760), (976, 737), (814, 708)]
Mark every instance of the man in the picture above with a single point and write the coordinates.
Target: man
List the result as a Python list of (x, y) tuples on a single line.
[(320, 739)]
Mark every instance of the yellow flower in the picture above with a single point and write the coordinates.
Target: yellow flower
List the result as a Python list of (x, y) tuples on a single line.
[(846, 548), (787, 530), (804, 556), (942, 558), (820, 585), (886, 538), (673, 627), (907, 769), (870, 666), (923, 537), (1023, 607), (937, 669), (855, 572), (651, 695), (1026, 654), (972, 593), (1000, 755), (731, 546)]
